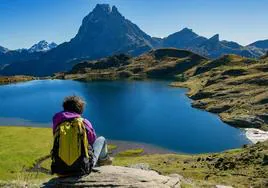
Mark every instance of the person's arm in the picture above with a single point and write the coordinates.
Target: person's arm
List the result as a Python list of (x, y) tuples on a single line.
[(91, 135), (54, 125)]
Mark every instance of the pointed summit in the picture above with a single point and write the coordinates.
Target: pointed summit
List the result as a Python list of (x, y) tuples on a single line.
[(114, 9), (184, 38), (186, 30), (215, 38), (105, 8)]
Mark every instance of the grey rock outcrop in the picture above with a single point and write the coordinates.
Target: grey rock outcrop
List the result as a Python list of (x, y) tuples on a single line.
[(115, 176)]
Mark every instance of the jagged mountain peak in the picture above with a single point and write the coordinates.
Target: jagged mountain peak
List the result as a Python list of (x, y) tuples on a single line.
[(104, 32), (42, 46), (104, 10), (187, 30), (215, 38)]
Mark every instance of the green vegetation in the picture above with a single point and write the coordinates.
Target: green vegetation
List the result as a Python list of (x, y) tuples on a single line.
[(130, 153), (112, 147), (22, 146), (239, 167)]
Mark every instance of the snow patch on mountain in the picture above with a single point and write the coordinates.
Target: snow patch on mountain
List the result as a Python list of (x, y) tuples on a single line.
[(42, 46)]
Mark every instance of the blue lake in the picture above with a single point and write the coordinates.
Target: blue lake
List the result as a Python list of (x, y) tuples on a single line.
[(141, 111)]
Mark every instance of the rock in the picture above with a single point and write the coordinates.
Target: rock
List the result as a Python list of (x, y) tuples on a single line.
[(219, 109), (246, 121), (223, 186), (201, 95), (234, 72), (258, 81), (199, 104), (264, 117), (256, 135), (142, 166), (265, 159), (115, 176)]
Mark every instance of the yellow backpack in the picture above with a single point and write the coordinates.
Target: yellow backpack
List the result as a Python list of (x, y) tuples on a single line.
[(71, 153)]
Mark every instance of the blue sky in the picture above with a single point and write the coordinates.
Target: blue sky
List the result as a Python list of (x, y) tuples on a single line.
[(25, 22)]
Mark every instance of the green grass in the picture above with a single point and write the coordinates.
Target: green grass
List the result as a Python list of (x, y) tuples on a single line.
[(20, 147), (112, 147), (130, 153)]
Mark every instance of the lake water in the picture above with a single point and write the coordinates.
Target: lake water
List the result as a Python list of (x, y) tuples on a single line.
[(141, 111)]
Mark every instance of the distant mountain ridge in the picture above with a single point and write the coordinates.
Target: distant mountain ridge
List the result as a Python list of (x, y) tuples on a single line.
[(42, 46), (105, 32), (17, 56), (260, 44)]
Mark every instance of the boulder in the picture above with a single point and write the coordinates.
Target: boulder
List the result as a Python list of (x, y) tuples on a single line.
[(115, 176)]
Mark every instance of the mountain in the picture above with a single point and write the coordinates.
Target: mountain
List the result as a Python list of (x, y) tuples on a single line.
[(3, 50), (105, 32), (15, 58), (42, 46), (212, 47), (260, 44), (185, 38)]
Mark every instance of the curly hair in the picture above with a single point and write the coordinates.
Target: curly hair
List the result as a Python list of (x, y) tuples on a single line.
[(74, 104)]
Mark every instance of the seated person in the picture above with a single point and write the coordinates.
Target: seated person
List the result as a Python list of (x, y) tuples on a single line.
[(76, 150)]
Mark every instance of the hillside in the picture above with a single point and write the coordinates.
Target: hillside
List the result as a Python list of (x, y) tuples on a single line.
[(233, 87), (260, 44), (161, 63)]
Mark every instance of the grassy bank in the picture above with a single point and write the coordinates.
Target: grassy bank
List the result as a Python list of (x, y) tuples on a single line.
[(20, 147)]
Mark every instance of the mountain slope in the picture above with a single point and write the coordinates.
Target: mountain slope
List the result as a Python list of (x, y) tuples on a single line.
[(260, 44), (185, 38), (3, 50)]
